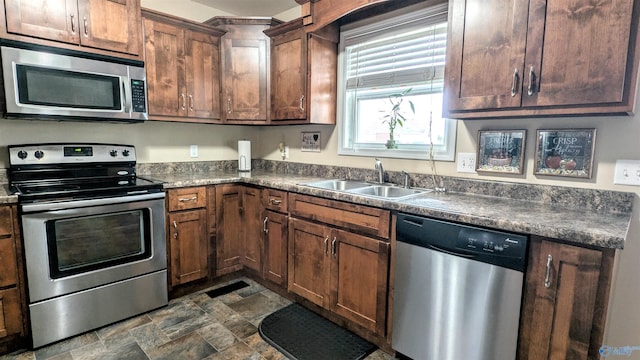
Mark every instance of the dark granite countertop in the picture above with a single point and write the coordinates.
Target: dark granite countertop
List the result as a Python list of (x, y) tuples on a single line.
[(574, 225)]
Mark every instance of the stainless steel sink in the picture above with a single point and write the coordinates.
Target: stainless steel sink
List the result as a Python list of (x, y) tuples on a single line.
[(388, 192), (356, 187), (337, 185)]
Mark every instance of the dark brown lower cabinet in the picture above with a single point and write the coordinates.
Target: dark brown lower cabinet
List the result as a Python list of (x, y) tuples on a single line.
[(189, 246), (565, 301), (275, 247), (341, 271)]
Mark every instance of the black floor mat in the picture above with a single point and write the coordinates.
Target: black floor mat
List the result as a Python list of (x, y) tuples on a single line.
[(300, 334), (227, 289)]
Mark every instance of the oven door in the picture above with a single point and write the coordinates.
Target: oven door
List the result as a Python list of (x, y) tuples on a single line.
[(78, 245)]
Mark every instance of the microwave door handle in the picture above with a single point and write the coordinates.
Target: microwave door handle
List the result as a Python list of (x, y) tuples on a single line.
[(126, 100)]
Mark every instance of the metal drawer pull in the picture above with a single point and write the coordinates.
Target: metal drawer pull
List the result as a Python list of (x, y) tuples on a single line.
[(190, 102), (229, 106), (86, 27), (326, 245), (275, 201), (301, 102), (188, 199), (264, 225), (514, 83), (184, 102), (333, 247), (547, 276), (532, 81), (73, 24)]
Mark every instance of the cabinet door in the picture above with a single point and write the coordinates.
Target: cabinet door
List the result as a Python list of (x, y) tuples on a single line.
[(202, 59), (309, 261), (245, 79), (189, 246), (359, 279), (164, 51), (275, 247), (485, 57), (230, 228), (110, 24), (10, 313), (565, 279), (48, 19), (252, 225), (577, 52), (8, 265), (289, 76)]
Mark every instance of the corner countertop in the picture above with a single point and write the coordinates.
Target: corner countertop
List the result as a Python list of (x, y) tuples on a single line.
[(573, 225)]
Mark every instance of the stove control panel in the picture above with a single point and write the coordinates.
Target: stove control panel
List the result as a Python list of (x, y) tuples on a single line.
[(70, 153)]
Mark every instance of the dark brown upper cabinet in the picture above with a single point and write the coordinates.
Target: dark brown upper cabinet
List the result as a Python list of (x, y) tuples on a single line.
[(513, 58), (112, 25), (303, 74), (244, 68)]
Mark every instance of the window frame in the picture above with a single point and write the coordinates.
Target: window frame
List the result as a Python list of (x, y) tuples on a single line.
[(391, 22)]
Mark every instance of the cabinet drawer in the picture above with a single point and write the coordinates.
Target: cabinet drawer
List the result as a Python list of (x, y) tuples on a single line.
[(275, 200), (187, 198), (6, 221), (10, 315), (360, 218)]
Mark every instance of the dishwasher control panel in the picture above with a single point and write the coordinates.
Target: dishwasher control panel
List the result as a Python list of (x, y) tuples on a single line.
[(487, 245)]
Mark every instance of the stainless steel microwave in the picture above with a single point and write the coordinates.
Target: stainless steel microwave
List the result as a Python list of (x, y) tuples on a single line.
[(51, 84)]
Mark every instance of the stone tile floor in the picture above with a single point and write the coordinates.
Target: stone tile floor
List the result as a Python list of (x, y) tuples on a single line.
[(191, 327)]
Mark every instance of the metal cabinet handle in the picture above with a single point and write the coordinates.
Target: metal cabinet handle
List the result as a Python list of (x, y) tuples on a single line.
[(514, 83), (190, 102), (264, 225), (326, 245), (188, 199), (547, 274), (184, 102), (175, 226), (275, 201), (73, 24), (86, 27), (229, 106), (301, 102), (532, 81), (333, 247)]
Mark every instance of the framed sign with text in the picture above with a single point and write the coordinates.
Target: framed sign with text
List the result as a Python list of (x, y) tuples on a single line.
[(565, 152), (501, 151)]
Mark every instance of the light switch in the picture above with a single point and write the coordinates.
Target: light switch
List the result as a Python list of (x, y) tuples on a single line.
[(627, 172)]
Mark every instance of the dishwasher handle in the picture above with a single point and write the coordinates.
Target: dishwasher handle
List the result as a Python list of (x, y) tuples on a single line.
[(467, 256)]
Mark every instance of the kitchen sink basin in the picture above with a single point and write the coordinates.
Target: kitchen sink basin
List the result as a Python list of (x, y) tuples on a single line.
[(338, 185), (382, 191), (388, 192)]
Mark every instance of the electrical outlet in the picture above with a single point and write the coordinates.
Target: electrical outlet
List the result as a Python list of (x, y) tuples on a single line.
[(467, 162), (286, 152), (193, 151), (627, 172)]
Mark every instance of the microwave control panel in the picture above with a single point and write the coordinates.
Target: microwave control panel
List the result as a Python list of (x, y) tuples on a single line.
[(138, 97)]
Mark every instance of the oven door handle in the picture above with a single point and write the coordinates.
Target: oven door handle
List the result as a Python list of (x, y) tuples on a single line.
[(52, 206)]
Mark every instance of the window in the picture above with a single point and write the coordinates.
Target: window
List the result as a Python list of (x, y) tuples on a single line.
[(385, 56)]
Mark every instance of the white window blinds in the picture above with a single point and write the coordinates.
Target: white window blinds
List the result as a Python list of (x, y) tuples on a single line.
[(414, 54)]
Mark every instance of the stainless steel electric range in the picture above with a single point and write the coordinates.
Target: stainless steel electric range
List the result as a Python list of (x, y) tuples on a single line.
[(94, 236)]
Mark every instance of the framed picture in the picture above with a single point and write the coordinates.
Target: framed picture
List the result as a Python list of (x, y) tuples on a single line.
[(565, 152), (501, 151)]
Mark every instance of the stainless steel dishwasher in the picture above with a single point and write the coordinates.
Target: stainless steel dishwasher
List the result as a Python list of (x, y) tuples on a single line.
[(457, 291)]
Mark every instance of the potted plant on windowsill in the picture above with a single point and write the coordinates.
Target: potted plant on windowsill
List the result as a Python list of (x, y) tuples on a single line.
[(395, 116)]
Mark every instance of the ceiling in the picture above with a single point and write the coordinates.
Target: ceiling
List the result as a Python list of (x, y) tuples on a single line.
[(250, 7)]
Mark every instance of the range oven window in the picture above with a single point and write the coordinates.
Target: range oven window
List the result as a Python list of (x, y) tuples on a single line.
[(69, 89), (87, 243)]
